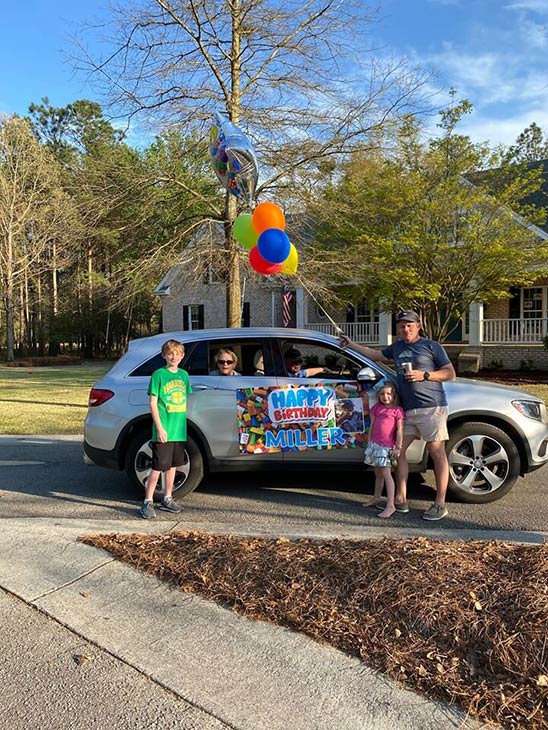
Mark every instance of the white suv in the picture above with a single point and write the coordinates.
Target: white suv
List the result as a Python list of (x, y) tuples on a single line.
[(496, 433)]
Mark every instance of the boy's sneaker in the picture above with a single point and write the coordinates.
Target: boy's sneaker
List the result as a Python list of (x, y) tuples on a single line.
[(170, 505), (435, 512), (147, 511)]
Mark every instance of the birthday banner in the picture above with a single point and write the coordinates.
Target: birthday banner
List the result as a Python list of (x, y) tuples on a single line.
[(302, 417)]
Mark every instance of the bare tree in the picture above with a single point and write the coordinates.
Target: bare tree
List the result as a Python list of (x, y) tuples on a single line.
[(299, 76), (34, 212)]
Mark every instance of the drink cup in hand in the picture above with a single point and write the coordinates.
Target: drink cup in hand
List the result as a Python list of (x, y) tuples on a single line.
[(407, 367)]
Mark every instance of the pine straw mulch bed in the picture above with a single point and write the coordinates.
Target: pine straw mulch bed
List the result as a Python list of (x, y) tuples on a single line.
[(462, 622), (510, 377)]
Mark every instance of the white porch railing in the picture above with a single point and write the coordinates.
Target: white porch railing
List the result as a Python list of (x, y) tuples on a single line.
[(495, 331), (365, 332), (508, 331)]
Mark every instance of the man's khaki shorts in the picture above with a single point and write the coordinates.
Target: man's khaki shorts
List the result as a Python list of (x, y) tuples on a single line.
[(428, 424)]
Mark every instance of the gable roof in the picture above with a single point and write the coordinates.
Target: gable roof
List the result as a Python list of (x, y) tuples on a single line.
[(540, 197)]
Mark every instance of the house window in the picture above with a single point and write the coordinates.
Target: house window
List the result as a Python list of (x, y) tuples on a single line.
[(193, 317), (533, 302), (365, 313), (319, 312)]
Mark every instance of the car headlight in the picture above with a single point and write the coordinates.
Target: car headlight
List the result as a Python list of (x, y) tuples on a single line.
[(531, 409)]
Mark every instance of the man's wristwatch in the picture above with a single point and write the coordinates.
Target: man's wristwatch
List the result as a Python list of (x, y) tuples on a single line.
[(426, 375)]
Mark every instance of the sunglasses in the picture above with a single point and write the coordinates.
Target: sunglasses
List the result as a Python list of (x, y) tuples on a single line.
[(297, 362), (225, 362)]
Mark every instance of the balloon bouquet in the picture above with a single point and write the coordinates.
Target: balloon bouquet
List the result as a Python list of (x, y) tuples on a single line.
[(261, 232)]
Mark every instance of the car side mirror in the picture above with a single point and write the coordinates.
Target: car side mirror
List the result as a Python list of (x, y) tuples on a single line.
[(367, 375)]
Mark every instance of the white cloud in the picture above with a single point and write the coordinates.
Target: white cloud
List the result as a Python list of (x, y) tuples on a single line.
[(482, 127), (488, 77), (533, 35), (537, 6), (496, 60)]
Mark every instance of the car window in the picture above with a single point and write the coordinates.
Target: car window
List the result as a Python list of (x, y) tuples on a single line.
[(254, 355), (313, 360), (148, 367), (194, 362)]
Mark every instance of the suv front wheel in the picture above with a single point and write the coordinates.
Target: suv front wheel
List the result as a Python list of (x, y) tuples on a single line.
[(139, 459), (483, 463)]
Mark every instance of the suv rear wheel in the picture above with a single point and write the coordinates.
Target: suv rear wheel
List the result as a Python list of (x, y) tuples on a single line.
[(139, 459), (483, 463)]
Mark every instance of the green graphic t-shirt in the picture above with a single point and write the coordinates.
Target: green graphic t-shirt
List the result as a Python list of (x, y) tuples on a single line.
[(171, 389)]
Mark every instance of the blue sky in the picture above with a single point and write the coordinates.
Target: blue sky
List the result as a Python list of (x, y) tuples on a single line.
[(494, 52)]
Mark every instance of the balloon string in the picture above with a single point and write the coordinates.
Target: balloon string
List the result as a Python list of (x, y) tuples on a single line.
[(335, 325)]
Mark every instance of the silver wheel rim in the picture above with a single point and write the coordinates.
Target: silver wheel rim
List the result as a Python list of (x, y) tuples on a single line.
[(143, 461), (478, 464)]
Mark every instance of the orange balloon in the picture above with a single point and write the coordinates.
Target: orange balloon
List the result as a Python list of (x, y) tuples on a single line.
[(268, 215)]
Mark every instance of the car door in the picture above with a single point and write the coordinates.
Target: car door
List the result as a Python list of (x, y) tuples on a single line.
[(341, 370), (214, 401)]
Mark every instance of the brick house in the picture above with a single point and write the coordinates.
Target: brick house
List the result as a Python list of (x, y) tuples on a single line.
[(506, 333)]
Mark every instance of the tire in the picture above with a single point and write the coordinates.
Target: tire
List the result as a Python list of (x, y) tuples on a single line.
[(484, 463), (139, 458)]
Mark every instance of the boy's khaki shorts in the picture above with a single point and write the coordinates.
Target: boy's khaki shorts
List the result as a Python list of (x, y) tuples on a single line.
[(428, 424)]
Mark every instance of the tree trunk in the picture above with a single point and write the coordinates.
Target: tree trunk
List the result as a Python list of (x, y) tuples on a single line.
[(233, 293), (40, 319), (8, 308)]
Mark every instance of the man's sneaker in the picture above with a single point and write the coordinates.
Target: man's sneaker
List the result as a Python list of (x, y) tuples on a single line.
[(147, 511), (170, 505), (435, 512)]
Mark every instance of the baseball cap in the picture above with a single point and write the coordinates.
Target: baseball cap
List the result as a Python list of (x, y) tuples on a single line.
[(407, 316)]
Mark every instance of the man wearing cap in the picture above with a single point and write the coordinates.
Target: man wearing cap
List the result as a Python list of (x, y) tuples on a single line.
[(422, 366)]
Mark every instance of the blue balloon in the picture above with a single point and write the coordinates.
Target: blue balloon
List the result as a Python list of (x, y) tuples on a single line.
[(274, 245)]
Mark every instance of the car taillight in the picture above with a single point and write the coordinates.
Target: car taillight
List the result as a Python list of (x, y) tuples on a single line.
[(98, 396)]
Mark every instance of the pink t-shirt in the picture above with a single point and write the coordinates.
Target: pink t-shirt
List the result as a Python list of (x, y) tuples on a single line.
[(385, 424)]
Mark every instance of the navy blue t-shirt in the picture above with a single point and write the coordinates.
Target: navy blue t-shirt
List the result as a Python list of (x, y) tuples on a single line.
[(424, 355)]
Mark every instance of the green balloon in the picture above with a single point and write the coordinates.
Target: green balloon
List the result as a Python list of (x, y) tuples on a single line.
[(244, 232)]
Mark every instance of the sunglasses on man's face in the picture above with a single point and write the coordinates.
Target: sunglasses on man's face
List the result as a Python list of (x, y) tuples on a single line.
[(225, 362), (296, 362)]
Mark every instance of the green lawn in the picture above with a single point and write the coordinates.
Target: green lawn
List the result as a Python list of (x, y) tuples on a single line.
[(540, 390), (49, 400), (46, 400)]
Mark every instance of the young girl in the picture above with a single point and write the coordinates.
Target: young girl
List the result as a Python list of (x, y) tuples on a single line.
[(385, 440)]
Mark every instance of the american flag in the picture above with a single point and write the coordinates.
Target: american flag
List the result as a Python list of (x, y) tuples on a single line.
[(287, 298)]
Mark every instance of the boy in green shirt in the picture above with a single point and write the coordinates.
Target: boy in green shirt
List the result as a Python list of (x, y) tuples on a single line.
[(168, 390)]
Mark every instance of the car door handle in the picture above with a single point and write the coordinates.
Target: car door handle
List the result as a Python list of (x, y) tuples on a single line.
[(200, 386)]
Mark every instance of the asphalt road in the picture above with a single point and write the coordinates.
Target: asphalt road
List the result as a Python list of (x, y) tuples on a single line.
[(46, 477)]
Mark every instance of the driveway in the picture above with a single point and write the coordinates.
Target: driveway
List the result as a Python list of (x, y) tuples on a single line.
[(46, 477)]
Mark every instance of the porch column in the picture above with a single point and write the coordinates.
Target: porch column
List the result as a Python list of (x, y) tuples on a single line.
[(385, 329), (300, 310), (475, 326)]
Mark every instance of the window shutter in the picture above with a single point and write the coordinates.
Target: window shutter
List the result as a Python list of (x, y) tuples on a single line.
[(246, 315), (514, 303)]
